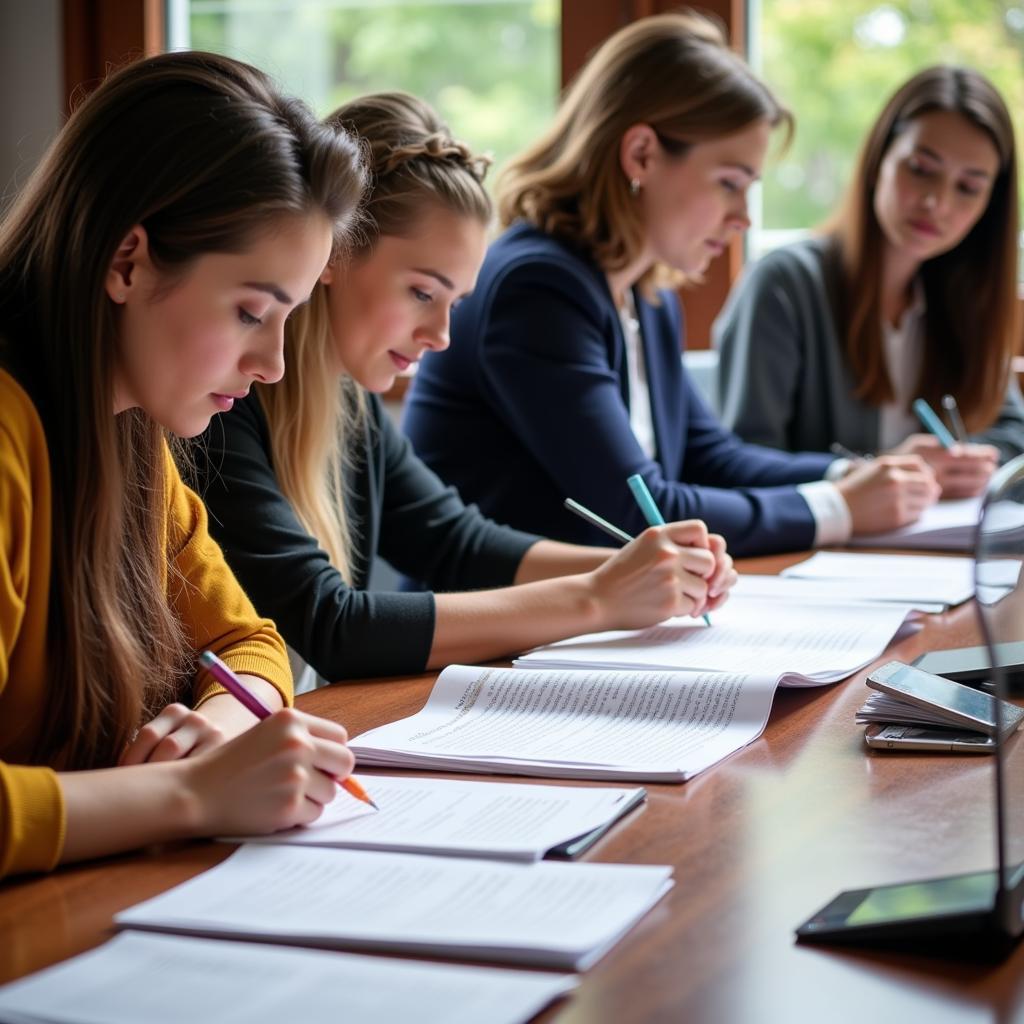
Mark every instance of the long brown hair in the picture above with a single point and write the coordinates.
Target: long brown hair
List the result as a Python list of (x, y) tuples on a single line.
[(673, 72), (972, 324), (415, 164), (204, 153)]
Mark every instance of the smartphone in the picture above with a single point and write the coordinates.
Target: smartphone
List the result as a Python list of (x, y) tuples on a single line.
[(912, 737), (957, 706), (973, 665)]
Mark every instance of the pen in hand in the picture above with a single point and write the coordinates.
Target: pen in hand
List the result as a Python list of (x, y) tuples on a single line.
[(926, 414), (251, 702), (650, 510), (955, 419)]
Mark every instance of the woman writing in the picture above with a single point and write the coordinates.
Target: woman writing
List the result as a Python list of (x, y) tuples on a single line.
[(308, 482), (145, 274), (910, 291), (565, 360)]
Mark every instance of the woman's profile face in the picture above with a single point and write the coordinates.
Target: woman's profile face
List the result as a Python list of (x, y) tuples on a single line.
[(695, 203), (188, 347), (393, 304), (934, 183)]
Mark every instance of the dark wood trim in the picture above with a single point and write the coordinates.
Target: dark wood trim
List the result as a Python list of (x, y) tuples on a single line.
[(101, 34)]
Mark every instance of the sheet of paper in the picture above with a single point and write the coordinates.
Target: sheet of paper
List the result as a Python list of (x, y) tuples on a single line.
[(550, 913), (654, 724), (945, 526), (164, 979), (855, 565), (510, 821), (803, 591), (797, 644)]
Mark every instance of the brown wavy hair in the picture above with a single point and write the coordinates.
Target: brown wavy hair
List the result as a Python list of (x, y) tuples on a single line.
[(204, 153), (673, 72), (972, 323), (415, 164)]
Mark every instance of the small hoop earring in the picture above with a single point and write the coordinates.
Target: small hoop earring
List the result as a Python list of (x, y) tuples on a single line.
[(634, 187)]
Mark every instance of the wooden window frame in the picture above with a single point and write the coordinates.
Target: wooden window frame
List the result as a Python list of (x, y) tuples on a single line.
[(99, 34)]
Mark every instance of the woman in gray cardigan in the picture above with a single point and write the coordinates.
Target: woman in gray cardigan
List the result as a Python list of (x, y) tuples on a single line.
[(909, 292)]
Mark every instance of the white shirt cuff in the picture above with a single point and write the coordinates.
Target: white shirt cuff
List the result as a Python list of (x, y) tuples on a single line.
[(832, 521), (838, 469)]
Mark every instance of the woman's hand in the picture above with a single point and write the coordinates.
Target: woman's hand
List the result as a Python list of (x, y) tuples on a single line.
[(677, 569), (888, 492), (962, 471), (279, 774), (175, 733)]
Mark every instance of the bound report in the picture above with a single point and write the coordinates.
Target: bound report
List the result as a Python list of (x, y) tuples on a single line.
[(166, 979), (655, 726), (506, 821), (794, 643), (548, 914)]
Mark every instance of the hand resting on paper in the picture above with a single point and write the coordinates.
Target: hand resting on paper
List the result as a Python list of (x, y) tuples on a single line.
[(888, 492)]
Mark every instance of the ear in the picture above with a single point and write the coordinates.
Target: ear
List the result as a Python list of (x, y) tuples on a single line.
[(636, 150), (128, 266), (327, 277)]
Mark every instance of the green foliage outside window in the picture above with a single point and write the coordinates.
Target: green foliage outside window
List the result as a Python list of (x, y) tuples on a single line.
[(490, 68), (835, 62)]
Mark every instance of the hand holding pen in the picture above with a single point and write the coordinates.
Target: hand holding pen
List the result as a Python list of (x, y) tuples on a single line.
[(223, 674)]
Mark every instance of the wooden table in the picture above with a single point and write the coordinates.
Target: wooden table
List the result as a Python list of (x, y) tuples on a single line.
[(758, 843)]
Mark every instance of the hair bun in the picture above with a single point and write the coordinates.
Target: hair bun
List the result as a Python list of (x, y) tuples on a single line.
[(440, 148)]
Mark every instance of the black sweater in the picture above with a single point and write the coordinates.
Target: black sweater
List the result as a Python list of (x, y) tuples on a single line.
[(397, 509)]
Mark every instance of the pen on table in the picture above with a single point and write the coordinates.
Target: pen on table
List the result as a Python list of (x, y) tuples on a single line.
[(926, 414), (953, 413), (249, 700), (650, 510)]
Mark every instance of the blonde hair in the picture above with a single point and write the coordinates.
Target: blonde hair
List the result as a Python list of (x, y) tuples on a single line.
[(414, 164), (972, 321), (673, 72)]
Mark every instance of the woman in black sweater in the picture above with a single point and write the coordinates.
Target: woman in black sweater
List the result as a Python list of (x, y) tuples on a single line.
[(308, 481)]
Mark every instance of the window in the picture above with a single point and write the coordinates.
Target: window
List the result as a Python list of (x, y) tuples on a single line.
[(490, 67), (835, 64)]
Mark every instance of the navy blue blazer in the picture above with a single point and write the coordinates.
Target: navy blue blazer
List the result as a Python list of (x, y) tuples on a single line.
[(531, 405)]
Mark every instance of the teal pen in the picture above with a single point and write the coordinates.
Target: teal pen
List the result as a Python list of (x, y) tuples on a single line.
[(651, 511), (926, 414)]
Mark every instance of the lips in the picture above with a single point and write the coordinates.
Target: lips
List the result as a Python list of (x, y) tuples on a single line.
[(715, 246), (924, 227), (400, 361), (225, 402)]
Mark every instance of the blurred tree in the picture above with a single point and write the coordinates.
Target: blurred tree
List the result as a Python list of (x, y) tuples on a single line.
[(835, 64), (490, 68)]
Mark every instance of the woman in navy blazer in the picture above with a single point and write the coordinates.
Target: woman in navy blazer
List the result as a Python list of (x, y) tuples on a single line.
[(564, 375)]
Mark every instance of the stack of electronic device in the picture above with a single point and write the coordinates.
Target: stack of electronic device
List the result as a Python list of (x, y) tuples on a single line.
[(914, 709)]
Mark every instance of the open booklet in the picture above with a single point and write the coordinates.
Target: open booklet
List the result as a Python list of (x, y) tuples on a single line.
[(166, 979), (548, 914), (503, 820), (561, 723), (794, 643)]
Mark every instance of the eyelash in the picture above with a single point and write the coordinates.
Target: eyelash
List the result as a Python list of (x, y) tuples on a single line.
[(422, 296), (923, 172), (248, 319)]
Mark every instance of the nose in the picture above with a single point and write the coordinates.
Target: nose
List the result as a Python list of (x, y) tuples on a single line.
[(739, 219), (435, 336), (265, 360)]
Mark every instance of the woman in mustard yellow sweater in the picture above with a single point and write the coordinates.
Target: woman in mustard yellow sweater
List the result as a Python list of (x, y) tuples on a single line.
[(146, 272)]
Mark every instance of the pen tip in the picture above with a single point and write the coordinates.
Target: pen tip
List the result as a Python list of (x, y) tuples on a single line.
[(372, 804)]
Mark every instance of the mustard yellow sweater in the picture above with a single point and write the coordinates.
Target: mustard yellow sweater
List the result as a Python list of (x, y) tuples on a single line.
[(213, 608)]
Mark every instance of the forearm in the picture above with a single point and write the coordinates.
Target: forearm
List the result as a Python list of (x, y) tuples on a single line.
[(487, 624), (548, 559), (116, 809), (230, 716)]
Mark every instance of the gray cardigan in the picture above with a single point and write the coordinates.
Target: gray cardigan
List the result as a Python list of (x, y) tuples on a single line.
[(783, 379)]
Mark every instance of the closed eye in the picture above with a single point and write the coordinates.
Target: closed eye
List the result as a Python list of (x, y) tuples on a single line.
[(421, 296), (247, 318)]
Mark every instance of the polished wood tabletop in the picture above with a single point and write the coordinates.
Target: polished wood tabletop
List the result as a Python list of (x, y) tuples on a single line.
[(758, 843)]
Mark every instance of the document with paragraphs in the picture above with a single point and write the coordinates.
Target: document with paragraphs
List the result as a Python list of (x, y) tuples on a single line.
[(503, 820), (166, 979), (548, 914)]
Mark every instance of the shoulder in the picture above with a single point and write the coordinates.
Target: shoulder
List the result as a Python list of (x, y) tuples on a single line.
[(22, 438), (525, 255), (802, 265)]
